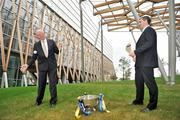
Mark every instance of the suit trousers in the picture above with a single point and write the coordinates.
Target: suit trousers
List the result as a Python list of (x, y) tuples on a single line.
[(146, 75), (52, 74)]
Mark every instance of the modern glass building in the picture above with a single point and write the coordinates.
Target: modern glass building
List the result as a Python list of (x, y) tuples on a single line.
[(60, 21)]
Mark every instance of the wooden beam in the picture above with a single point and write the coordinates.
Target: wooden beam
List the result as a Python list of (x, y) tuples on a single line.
[(164, 12), (29, 33), (1, 4), (74, 56), (143, 12), (2, 45), (43, 17), (121, 24), (114, 15), (159, 28), (157, 1), (140, 3), (177, 28), (116, 20), (19, 34), (113, 29), (50, 20), (60, 38), (110, 10), (165, 17), (160, 7), (158, 22), (125, 13), (117, 24), (107, 3)]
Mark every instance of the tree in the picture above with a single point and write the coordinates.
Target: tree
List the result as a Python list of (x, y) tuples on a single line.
[(113, 77), (124, 65)]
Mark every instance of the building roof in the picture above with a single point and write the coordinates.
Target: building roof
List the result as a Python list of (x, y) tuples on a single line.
[(117, 15)]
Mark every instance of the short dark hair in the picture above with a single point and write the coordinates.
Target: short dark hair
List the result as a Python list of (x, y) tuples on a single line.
[(147, 18)]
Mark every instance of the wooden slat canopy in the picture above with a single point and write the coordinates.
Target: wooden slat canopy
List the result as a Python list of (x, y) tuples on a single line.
[(117, 15)]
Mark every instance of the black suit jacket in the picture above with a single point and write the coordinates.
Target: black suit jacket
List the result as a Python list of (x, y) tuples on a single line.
[(146, 49), (44, 63)]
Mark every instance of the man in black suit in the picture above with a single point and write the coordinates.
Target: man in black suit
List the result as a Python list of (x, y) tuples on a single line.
[(44, 51), (146, 59)]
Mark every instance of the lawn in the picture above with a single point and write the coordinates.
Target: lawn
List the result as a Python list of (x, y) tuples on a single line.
[(18, 103)]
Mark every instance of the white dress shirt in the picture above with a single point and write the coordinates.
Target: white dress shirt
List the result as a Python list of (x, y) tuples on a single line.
[(45, 47)]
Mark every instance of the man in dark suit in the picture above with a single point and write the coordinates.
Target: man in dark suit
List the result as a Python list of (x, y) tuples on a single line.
[(146, 59), (44, 51)]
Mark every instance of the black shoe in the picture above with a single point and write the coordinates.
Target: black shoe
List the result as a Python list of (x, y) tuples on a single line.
[(52, 105), (136, 103), (38, 103), (145, 110)]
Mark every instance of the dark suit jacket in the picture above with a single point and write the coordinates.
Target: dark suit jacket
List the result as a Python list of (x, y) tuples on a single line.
[(44, 63), (146, 49)]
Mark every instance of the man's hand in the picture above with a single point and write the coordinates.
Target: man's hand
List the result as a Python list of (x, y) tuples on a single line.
[(134, 58), (59, 45), (132, 54), (24, 68)]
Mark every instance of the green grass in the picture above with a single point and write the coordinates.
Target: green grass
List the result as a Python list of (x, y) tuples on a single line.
[(18, 103)]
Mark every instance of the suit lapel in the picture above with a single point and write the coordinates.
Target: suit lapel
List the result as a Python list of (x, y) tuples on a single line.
[(48, 45), (142, 34), (140, 38)]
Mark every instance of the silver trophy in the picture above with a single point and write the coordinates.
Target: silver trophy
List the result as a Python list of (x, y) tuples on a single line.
[(90, 101)]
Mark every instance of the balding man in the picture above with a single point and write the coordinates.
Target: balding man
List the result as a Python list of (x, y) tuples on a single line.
[(44, 51)]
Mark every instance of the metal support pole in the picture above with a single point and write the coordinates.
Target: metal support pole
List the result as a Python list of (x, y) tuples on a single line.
[(167, 28), (161, 68), (102, 62), (133, 9), (95, 43), (162, 21), (133, 36), (178, 49), (82, 44), (172, 43), (160, 64)]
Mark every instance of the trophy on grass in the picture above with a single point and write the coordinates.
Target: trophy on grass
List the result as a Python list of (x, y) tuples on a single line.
[(90, 103)]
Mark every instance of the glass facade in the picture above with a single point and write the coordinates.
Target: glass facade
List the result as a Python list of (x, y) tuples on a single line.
[(8, 18), (13, 72), (15, 22)]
